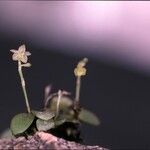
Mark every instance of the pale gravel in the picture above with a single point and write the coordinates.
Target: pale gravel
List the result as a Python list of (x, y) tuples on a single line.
[(42, 140)]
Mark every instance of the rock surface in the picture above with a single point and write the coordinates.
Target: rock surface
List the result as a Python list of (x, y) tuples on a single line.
[(43, 140)]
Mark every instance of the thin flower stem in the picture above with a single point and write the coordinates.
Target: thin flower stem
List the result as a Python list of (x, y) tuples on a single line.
[(78, 86), (23, 86), (58, 103), (49, 98)]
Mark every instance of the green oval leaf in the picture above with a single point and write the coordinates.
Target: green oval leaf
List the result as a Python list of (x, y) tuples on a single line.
[(43, 125), (44, 115), (65, 103), (89, 117), (59, 121), (21, 122)]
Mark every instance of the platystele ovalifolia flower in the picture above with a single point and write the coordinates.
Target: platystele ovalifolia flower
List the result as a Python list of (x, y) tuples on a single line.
[(79, 71), (21, 56)]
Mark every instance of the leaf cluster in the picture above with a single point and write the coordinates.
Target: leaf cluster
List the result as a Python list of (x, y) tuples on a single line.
[(48, 120)]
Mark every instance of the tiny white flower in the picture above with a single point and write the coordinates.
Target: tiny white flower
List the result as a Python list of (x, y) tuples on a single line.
[(20, 54)]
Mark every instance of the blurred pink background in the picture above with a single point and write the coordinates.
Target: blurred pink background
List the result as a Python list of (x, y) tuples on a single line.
[(122, 27)]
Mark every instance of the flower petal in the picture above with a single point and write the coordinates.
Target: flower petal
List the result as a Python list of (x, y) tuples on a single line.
[(24, 59), (22, 48), (14, 51), (27, 53), (15, 57)]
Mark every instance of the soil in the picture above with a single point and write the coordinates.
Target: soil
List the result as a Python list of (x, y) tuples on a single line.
[(42, 140)]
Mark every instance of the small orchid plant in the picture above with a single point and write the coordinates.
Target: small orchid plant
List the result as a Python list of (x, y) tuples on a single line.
[(61, 115)]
